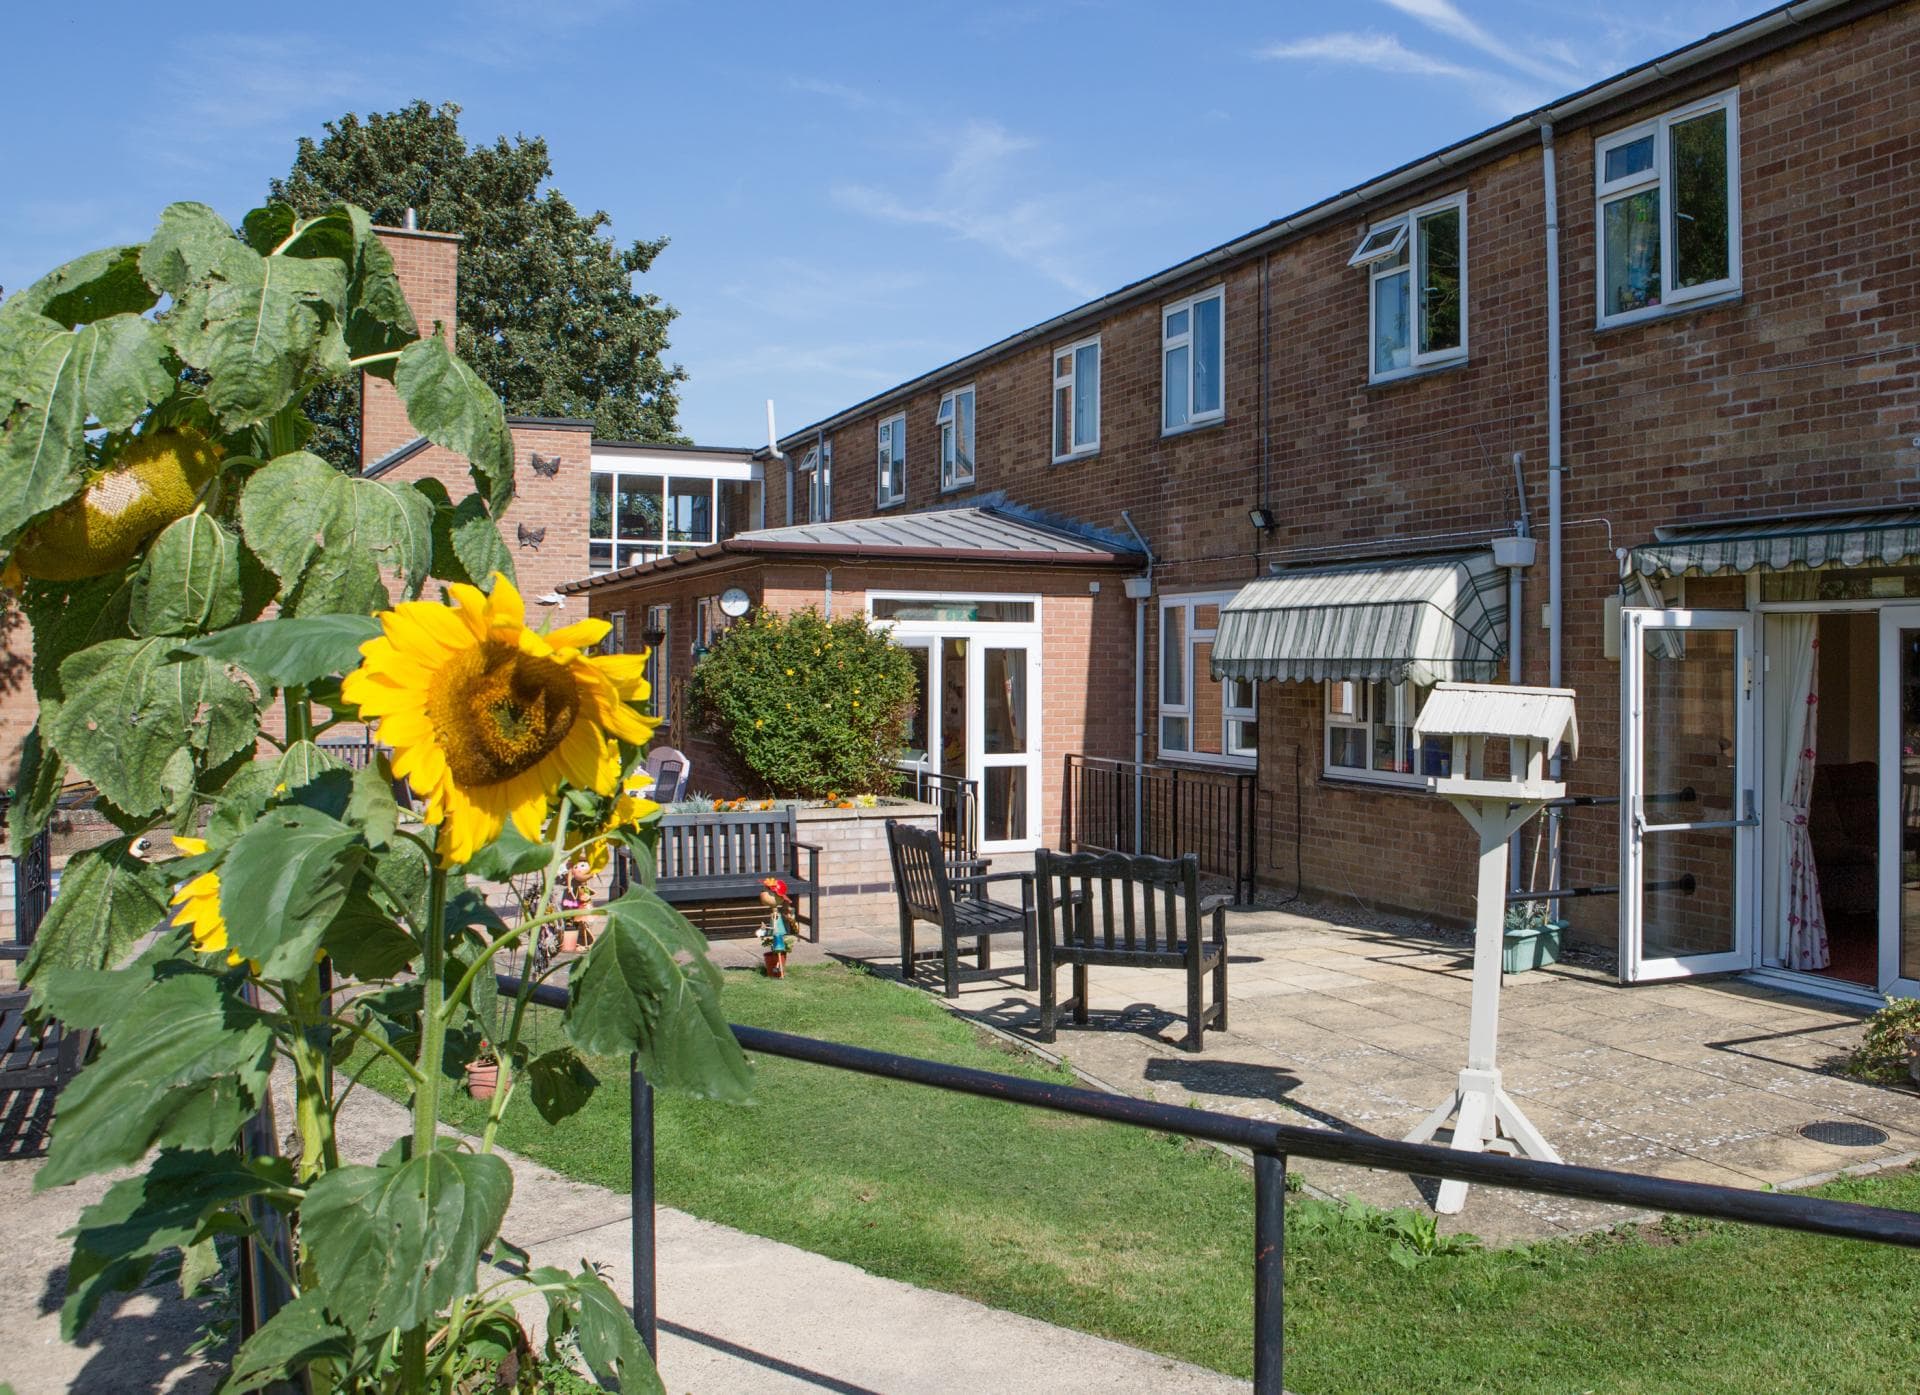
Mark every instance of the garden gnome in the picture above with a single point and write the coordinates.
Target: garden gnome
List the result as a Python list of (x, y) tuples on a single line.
[(776, 936)]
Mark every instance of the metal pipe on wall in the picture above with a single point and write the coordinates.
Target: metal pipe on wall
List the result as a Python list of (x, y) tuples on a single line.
[(1551, 192), (1139, 678)]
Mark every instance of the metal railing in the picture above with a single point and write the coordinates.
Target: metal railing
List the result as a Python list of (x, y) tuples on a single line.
[(1163, 810), (354, 753), (1271, 1145), (958, 800)]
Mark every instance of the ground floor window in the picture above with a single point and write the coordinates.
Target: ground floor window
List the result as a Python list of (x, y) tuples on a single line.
[(616, 640), (1370, 734), (1200, 716)]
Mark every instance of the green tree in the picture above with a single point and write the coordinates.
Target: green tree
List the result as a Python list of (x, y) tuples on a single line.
[(548, 313)]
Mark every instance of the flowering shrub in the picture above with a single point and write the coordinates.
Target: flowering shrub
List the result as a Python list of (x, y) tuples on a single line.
[(801, 705), (155, 505)]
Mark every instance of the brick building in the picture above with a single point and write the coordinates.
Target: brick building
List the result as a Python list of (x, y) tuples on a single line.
[(1666, 330)]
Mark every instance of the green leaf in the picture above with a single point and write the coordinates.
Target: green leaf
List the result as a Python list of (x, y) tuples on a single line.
[(395, 1243), (164, 1208), (42, 774), (304, 762), (327, 536), (371, 806), (129, 706), (512, 854), (199, 1262), (267, 227), (282, 883), (259, 326), (647, 985), (43, 444), (560, 1083), (467, 546), (108, 899), (162, 1051), (298, 1336), (379, 320), (449, 404), (89, 288), (363, 941), (68, 617), (286, 652), (608, 1342), (189, 580), (125, 367)]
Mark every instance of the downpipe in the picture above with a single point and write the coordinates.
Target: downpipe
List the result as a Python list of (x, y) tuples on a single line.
[(1139, 685), (1555, 469)]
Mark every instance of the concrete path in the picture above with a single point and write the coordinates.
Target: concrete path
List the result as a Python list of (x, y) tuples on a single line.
[(740, 1315)]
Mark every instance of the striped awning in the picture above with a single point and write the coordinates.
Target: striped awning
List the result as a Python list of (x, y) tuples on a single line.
[(1414, 619), (1888, 538)]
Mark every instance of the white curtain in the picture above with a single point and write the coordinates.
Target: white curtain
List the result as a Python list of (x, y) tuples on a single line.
[(1801, 929)]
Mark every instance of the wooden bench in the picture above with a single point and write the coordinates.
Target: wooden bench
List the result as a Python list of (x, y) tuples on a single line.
[(924, 881), (725, 857), (33, 1067), (1141, 912)]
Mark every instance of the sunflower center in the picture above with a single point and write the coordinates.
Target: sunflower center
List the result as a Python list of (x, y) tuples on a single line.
[(497, 712)]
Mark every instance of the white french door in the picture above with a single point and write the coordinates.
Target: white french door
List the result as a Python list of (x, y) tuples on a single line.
[(1900, 800), (1689, 814)]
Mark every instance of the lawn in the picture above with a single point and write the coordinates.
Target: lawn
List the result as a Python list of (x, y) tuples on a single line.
[(1147, 1239)]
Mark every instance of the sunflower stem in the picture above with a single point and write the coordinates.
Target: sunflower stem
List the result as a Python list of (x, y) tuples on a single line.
[(426, 1093)]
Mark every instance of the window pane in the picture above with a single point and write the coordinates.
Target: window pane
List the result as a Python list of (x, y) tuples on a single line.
[(1006, 702), (1631, 158), (1633, 253), (1173, 656), (1209, 711), (1242, 736), (1440, 281), (600, 557), (1391, 347), (1347, 748), (690, 511), (1206, 357), (963, 436), (1174, 378), (640, 507), (1005, 798), (1176, 324), (1062, 419), (1700, 222), (600, 507), (1344, 700), (963, 609), (1086, 396), (1240, 694), (1173, 733), (1391, 719)]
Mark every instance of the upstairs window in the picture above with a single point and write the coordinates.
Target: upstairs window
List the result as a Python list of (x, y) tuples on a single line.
[(813, 485), (1416, 288), (1076, 399), (893, 460), (1668, 202), (1192, 358), (955, 420)]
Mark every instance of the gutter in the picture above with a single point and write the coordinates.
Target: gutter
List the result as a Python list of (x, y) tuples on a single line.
[(1698, 59)]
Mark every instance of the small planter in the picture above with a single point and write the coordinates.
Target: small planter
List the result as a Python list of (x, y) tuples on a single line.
[(1531, 947), (483, 1078), (569, 941), (776, 960)]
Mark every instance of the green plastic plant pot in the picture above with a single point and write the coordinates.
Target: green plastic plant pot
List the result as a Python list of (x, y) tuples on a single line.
[(1533, 947)]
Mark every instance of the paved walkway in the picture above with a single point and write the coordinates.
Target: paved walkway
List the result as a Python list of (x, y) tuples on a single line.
[(740, 1315)]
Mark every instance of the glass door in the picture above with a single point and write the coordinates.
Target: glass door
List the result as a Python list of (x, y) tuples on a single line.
[(1900, 799), (1008, 784), (1688, 811), (920, 753)]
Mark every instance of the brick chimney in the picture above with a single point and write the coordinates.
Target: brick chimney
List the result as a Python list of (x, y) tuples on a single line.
[(427, 264)]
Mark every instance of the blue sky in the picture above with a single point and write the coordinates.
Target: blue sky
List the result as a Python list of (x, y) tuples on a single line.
[(855, 192)]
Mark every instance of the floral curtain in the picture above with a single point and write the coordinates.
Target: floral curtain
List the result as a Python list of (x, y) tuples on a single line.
[(1802, 925)]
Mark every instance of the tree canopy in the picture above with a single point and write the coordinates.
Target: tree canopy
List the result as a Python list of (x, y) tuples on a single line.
[(548, 313)]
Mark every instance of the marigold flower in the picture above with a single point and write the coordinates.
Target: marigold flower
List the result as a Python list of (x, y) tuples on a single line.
[(486, 717)]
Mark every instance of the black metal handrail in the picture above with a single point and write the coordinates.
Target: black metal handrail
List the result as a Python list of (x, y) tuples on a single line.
[(1271, 1145), (958, 800), (1164, 810)]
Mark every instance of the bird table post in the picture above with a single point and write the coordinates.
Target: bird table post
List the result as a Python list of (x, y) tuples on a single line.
[(1532, 721)]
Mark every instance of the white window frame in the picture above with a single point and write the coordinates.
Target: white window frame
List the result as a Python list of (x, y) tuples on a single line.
[(1170, 342), (1240, 757), (659, 676), (890, 441), (1376, 253), (1068, 385), (616, 640), (1364, 720), (947, 418), (1659, 177)]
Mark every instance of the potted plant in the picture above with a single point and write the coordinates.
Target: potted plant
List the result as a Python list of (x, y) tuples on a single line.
[(483, 1072), (1890, 1049), (1532, 938), (776, 936)]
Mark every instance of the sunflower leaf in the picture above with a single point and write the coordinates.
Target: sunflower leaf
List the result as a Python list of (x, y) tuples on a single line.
[(327, 536), (560, 1083), (89, 288), (108, 899), (647, 986), (282, 883), (298, 1336), (451, 405), (189, 580), (288, 652), (512, 854)]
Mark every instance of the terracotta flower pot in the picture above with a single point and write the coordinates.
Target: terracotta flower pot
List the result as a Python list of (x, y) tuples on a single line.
[(776, 963), (483, 1078), (569, 941)]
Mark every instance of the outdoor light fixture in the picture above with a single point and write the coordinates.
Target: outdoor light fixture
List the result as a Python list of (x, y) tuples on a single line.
[(551, 598), (1261, 517)]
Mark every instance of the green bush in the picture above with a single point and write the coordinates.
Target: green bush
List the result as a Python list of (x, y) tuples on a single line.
[(805, 706)]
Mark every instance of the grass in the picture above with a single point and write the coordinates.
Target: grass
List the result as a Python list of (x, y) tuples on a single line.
[(1147, 1239)]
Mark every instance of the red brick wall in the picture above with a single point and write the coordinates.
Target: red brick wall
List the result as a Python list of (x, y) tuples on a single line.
[(428, 267)]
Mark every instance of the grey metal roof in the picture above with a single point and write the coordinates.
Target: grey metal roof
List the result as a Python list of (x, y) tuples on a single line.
[(1398, 620), (1881, 538), (982, 532), (395, 456)]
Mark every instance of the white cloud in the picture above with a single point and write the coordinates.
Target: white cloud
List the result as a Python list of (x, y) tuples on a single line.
[(1385, 53), (1444, 17), (973, 197)]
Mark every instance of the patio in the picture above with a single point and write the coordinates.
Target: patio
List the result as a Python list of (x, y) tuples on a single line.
[(1359, 1022)]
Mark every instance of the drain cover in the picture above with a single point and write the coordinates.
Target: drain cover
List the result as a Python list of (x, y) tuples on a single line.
[(1842, 1134)]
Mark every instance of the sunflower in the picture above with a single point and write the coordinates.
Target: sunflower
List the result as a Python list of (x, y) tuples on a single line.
[(486, 717), (199, 903)]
